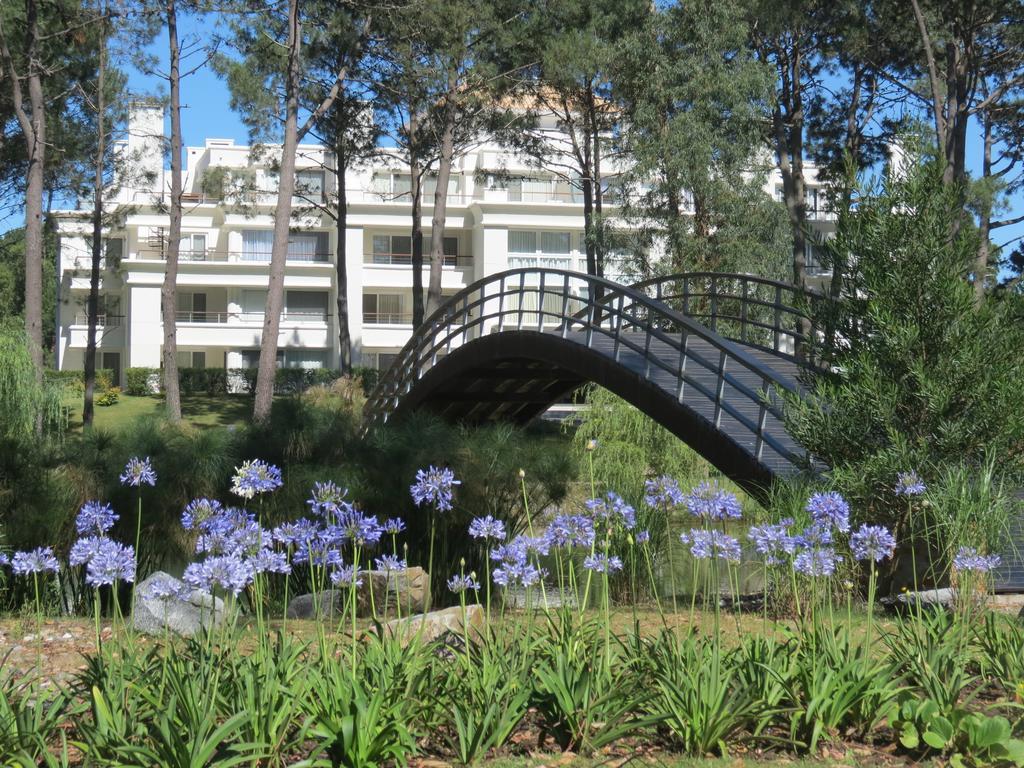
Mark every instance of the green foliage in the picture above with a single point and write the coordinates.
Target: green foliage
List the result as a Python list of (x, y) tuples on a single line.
[(486, 699), (582, 692), (110, 397), (30, 720), (136, 381), (835, 686), (967, 738), (210, 381), (360, 721), (921, 377), (23, 401), (689, 66), (700, 694)]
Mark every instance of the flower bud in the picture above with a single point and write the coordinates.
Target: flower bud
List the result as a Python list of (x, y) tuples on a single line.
[(522, 473)]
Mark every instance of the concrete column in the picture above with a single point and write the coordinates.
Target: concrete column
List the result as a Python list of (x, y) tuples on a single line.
[(354, 262), (145, 330)]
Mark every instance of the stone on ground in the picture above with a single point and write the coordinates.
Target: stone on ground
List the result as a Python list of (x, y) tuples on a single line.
[(391, 591), (437, 624), (184, 613)]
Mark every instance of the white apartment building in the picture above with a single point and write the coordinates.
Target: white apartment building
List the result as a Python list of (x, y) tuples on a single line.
[(493, 224)]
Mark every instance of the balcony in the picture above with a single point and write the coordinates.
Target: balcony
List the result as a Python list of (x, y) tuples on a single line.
[(405, 259), (387, 318), (187, 316), (102, 320), (243, 257)]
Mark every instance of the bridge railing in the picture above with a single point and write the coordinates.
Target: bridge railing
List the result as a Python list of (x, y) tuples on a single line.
[(767, 314), (614, 320)]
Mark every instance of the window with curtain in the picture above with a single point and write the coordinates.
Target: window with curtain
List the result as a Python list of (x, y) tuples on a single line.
[(385, 309), (254, 304), (306, 306), (522, 242), (257, 244), (308, 246), (309, 185), (392, 249)]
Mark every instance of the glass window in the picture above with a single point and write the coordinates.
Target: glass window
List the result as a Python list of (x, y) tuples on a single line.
[(555, 242), (309, 184), (451, 246), (522, 242), (257, 244), (308, 246), (306, 305), (113, 249)]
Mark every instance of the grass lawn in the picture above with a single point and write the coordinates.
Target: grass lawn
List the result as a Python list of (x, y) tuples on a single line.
[(199, 410)]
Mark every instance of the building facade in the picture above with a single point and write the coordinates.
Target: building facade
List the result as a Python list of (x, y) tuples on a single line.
[(502, 213)]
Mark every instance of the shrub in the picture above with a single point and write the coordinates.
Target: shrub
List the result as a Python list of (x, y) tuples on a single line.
[(136, 381), (210, 381), (110, 397), (931, 379)]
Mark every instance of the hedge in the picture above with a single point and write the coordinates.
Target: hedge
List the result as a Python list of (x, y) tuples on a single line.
[(75, 380), (219, 381)]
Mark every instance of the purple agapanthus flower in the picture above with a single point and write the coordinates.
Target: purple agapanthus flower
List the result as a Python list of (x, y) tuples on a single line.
[(166, 589), (663, 493), (571, 531), (434, 487), (814, 535), (4, 559), (198, 512), (389, 563), (327, 500), (710, 544), (968, 559), (909, 484), (872, 542), (95, 519), (710, 502), (487, 528), (612, 506), (138, 472), (268, 561), (85, 549), (523, 574), (643, 537), (773, 541), (292, 534), (346, 576), (393, 526), (602, 563), (255, 477), (816, 561), (459, 584), (225, 573), (830, 508), (39, 560), (111, 563), (362, 530)]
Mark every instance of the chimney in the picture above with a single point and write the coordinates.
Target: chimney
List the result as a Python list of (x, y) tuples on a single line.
[(146, 143)]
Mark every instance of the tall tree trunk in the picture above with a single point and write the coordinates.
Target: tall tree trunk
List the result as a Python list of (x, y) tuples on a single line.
[(341, 263), (33, 130), (416, 190), (92, 303), (282, 218), (985, 214), (597, 225), (788, 131), (437, 222), (169, 290)]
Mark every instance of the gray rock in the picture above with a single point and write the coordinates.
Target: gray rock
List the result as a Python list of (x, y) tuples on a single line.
[(382, 592), (438, 624), (934, 599), (184, 613)]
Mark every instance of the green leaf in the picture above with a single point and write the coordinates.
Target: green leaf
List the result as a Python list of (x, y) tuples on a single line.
[(909, 737), (934, 740)]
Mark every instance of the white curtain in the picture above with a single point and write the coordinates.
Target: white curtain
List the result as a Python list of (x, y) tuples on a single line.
[(257, 244)]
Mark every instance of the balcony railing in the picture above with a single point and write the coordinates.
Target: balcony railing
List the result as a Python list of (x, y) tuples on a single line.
[(387, 318), (406, 259), (188, 316), (251, 257), (103, 319)]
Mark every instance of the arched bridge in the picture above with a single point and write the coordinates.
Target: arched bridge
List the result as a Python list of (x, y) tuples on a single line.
[(707, 355)]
